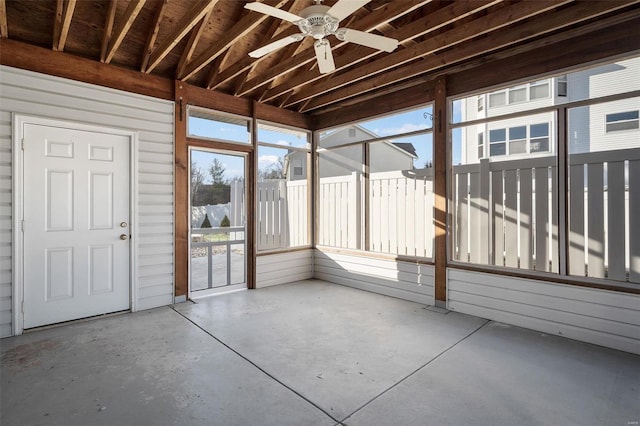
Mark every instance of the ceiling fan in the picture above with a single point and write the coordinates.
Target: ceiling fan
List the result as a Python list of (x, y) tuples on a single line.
[(319, 21)]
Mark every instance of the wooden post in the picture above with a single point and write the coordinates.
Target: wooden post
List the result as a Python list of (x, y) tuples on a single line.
[(440, 190), (181, 201)]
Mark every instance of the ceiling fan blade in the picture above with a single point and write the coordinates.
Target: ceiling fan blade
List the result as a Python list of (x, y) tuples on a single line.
[(324, 56), (373, 41), (272, 11), (344, 8), (264, 50)]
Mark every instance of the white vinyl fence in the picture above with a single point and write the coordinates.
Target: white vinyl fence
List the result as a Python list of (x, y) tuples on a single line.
[(400, 212), (282, 213), (506, 214)]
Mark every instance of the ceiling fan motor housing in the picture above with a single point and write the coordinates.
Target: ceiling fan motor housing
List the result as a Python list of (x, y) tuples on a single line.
[(316, 22)]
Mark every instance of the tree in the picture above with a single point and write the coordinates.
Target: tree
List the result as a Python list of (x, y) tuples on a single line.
[(205, 222), (197, 181), (274, 171), (225, 222), (216, 171)]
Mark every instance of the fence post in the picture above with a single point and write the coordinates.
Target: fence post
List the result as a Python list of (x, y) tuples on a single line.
[(355, 213), (485, 217)]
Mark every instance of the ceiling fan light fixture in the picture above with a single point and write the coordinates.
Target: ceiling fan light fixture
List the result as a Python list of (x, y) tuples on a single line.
[(319, 21)]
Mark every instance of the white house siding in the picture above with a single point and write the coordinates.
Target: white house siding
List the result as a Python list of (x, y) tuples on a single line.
[(30, 93), (281, 268), (5, 221), (595, 316), (404, 280)]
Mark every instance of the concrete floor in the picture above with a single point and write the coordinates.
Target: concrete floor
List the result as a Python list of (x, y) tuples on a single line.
[(310, 353)]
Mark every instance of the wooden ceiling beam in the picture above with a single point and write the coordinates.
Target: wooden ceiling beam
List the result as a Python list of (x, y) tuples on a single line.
[(500, 18), (534, 28), (190, 20), (64, 13), (39, 59), (194, 38), (580, 46), (268, 38), (246, 24), (4, 29), (381, 16), (108, 29), (153, 35), (244, 64), (135, 6), (438, 19)]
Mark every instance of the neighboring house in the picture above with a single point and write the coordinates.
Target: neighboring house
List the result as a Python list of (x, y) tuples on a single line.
[(385, 156), (600, 127)]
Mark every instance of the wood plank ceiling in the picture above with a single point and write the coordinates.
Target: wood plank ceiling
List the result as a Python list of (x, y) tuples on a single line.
[(206, 42)]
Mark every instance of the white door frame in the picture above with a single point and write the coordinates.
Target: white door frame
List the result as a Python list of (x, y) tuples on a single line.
[(18, 122)]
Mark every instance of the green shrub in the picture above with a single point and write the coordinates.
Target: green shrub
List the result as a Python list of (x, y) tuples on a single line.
[(225, 222), (205, 222)]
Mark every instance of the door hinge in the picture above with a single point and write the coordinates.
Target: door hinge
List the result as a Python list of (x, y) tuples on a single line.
[(22, 307), (22, 225), (22, 144)]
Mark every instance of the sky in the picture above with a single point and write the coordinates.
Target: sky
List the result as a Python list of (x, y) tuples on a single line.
[(408, 121)]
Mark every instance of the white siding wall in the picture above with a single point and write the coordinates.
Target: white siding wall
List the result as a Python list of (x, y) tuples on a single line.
[(596, 316), (404, 280), (284, 268), (36, 94)]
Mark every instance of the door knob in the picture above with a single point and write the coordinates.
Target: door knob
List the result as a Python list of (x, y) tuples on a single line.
[(123, 224), (123, 236)]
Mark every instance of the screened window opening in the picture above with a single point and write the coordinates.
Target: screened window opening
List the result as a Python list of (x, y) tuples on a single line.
[(207, 124), (388, 209), (506, 208), (282, 205)]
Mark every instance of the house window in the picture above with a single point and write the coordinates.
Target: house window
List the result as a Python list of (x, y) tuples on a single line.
[(622, 121), (517, 94), (297, 171), (480, 145), (352, 133), (497, 99), (539, 137), (518, 140), (497, 142), (539, 90), (562, 85), (480, 103)]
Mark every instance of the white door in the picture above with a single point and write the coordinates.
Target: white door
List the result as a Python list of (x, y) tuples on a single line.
[(76, 224)]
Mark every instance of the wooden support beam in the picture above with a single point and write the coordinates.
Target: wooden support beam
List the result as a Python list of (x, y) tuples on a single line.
[(244, 64), (27, 56), (580, 48), (194, 38), (195, 15), (386, 74), (385, 14), (123, 27), (483, 25), (440, 161), (181, 193), (245, 25), (64, 13), (108, 29), (591, 43), (4, 29), (153, 35), (418, 28)]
